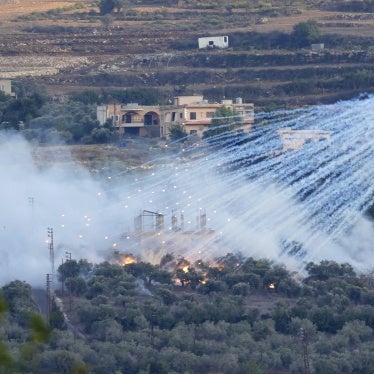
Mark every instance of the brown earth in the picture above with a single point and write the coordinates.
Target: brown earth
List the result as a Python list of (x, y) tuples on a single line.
[(13, 8), (72, 49)]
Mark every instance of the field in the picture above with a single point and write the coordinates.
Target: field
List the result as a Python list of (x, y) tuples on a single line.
[(12, 8), (66, 46), (101, 159)]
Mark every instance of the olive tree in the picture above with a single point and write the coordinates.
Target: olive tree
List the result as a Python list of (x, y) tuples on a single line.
[(106, 6), (177, 132), (224, 120), (305, 33)]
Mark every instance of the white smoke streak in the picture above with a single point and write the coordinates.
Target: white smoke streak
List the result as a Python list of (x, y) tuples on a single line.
[(257, 203)]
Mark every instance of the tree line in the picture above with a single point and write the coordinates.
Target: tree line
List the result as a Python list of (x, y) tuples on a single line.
[(235, 315)]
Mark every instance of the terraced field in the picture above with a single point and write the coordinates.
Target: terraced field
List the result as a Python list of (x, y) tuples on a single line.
[(66, 46)]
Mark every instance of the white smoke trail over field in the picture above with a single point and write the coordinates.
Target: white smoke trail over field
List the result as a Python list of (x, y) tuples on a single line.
[(264, 201), (229, 194)]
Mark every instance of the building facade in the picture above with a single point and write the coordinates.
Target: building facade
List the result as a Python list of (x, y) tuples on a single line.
[(132, 119), (193, 113)]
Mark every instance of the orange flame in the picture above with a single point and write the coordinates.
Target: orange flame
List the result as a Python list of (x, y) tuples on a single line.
[(128, 259)]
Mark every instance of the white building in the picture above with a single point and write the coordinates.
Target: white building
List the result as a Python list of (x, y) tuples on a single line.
[(317, 46), (6, 87), (214, 42)]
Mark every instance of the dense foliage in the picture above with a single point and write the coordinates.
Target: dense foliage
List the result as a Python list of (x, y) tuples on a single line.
[(235, 315), (177, 132), (224, 120), (305, 33)]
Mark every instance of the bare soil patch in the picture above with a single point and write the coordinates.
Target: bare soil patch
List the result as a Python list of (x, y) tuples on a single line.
[(13, 8), (20, 66)]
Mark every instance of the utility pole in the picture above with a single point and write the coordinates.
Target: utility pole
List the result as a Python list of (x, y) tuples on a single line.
[(304, 340), (31, 202), (51, 251), (68, 260), (62, 277), (153, 319), (49, 297)]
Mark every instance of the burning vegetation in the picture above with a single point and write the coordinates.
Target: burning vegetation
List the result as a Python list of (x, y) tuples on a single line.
[(203, 275)]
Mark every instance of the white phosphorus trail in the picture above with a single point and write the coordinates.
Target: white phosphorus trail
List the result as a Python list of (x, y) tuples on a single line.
[(248, 193), (272, 201)]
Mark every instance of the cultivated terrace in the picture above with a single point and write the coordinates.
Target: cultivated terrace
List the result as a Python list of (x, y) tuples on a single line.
[(110, 45)]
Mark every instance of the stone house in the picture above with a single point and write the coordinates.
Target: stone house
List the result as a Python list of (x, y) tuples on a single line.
[(132, 118), (193, 113)]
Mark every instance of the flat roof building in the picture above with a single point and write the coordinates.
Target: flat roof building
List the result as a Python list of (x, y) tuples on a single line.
[(213, 42), (193, 113)]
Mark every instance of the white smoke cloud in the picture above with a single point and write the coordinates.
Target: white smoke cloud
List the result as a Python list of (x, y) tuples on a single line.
[(33, 200), (311, 200), (359, 245)]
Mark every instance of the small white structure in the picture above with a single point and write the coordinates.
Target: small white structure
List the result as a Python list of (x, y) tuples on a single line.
[(295, 139), (214, 42), (317, 46), (102, 113), (6, 87)]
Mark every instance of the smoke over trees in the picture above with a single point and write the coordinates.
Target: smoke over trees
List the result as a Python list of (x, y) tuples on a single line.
[(120, 327)]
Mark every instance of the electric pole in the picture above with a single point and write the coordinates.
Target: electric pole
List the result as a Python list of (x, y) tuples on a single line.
[(51, 251), (49, 296), (304, 340), (62, 277), (68, 260), (31, 202)]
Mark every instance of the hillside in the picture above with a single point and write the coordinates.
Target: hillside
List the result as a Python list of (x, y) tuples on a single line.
[(235, 316), (66, 46)]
